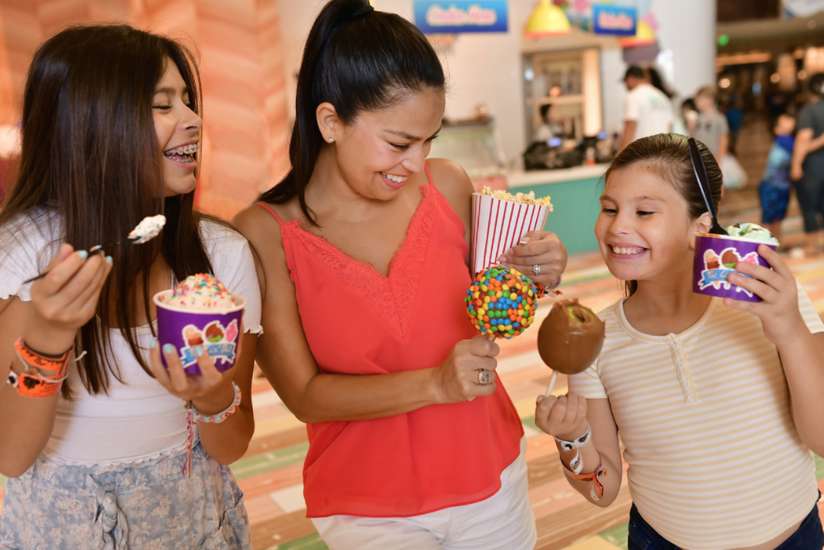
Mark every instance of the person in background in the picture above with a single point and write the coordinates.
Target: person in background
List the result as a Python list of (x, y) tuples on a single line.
[(548, 128), (735, 119), (687, 117), (808, 165), (711, 126), (647, 110), (774, 189)]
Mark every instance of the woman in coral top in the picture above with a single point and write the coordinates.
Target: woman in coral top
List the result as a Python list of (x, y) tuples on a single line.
[(364, 256)]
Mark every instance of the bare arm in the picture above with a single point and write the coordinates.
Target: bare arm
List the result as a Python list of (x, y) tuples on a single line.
[(801, 356), (567, 418), (723, 145), (800, 150), (315, 396), (62, 302), (630, 126), (815, 144), (801, 352)]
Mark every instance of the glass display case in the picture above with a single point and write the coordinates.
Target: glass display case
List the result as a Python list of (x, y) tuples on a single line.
[(568, 81), (474, 145)]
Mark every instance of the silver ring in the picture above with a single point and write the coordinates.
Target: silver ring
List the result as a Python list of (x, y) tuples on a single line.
[(536, 269), (484, 376)]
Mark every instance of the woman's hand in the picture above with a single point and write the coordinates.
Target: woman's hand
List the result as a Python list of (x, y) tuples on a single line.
[(563, 417), (65, 299), (210, 393), (469, 371), (778, 311), (540, 256)]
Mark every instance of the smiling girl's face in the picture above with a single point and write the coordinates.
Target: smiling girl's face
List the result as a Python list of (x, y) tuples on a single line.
[(178, 131), (644, 230)]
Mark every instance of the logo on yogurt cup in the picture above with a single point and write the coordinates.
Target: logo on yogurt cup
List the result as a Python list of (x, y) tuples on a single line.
[(217, 341), (717, 268)]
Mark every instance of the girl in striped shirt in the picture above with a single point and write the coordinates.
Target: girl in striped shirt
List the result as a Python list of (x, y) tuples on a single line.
[(717, 402)]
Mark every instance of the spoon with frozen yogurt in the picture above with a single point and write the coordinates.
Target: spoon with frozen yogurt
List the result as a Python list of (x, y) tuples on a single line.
[(148, 228)]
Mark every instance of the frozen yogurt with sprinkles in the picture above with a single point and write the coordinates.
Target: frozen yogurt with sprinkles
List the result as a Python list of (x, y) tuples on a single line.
[(148, 228), (201, 292)]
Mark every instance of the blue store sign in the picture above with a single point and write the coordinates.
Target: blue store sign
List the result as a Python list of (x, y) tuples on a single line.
[(460, 16), (615, 20)]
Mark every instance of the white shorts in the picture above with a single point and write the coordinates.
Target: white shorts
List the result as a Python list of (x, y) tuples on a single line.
[(503, 521)]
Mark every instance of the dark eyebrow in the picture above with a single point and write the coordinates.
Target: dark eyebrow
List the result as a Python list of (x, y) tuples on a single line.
[(410, 137)]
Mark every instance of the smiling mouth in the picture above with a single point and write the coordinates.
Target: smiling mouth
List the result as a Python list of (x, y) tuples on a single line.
[(626, 251), (184, 154), (394, 181)]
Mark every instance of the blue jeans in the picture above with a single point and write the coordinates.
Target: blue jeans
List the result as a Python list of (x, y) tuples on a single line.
[(808, 536)]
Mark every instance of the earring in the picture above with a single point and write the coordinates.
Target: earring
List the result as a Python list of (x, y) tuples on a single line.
[(330, 139)]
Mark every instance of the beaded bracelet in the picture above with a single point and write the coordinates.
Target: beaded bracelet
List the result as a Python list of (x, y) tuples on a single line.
[(220, 417)]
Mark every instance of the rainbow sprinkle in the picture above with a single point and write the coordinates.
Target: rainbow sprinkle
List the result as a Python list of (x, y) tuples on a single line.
[(201, 291)]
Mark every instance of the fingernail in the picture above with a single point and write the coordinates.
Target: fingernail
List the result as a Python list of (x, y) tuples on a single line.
[(198, 351), (153, 343), (83, 254), (109, 260), (168, 348), (96, 248)]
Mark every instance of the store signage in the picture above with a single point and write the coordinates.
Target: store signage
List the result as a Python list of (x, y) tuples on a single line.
[(460, 16), (615, 20)]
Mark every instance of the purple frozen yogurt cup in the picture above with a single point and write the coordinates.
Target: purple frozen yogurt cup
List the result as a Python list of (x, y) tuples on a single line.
[(715, 258), (217, 332)]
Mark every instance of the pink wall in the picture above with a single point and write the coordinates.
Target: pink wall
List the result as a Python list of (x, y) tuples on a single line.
[(237, 44)]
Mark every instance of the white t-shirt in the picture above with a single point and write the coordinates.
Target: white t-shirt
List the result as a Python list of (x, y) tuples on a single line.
[(714, 458), (138, 419), (650, 109)]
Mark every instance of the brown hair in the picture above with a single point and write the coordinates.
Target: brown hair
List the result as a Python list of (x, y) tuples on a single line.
[(90, 155), (668, 157)]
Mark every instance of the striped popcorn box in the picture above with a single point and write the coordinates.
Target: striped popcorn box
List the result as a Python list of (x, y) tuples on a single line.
[(500, 220)]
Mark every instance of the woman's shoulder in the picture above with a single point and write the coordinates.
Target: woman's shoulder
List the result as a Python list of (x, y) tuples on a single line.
[(453, 183)]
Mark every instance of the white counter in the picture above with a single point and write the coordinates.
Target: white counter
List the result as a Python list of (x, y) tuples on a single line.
[(537, 177)]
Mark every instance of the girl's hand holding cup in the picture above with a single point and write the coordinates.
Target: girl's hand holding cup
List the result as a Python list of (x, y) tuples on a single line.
[(777, 289), (210, 392)]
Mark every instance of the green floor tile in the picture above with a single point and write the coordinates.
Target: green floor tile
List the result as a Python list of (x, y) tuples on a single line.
[(616, 535), (312, 542), (273, 460)]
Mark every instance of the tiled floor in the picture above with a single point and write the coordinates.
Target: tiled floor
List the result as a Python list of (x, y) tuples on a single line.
[(270, 473)]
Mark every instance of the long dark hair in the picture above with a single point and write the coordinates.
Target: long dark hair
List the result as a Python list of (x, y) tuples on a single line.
[(90, 155), (668, 156), (357, 59)]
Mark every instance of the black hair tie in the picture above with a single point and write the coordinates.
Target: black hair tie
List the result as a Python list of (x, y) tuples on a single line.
[(360, 12)]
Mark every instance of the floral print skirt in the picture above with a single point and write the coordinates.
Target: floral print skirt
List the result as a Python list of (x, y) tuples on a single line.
[(145, 505)]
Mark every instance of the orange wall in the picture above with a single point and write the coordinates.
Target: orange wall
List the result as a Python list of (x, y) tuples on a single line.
[(237, 44)]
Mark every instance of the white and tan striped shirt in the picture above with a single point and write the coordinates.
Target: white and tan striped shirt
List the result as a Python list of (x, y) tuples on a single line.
[(714, 457)]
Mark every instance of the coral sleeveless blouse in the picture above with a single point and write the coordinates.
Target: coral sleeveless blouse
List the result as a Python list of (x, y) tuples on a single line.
[(358, 321)]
